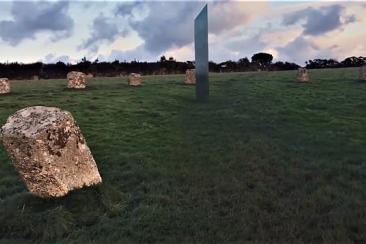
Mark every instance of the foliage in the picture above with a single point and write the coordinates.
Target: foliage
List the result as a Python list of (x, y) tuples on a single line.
[(266, 160), (284, 66), (332, 63), (260, 61), (263, 59)]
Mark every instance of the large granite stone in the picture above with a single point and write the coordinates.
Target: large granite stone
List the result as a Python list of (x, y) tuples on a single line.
[(134, 79), (302, 76), (190, 77), (4, 86), (49, 151), (76, 80)]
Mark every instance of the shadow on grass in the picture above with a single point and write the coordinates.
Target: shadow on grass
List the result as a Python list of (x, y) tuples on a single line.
[(28, 216), (87, 88)]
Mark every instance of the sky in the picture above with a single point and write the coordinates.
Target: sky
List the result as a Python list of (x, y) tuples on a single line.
[(67, 31)]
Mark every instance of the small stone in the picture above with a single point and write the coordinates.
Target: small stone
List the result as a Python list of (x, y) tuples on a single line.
[(76, 80), (49, 151), (134, 79), (4, 86), (190, 77), (363, 73), (89, 76), (302, 75), (35, 77)]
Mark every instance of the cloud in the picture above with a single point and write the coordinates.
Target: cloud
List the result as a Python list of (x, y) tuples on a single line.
[(139, 54), (225, 16), (319, 21), (103, 30), (30, 18), (51, 58), (127, 8), (167, 25), (303, 49), (170, 25), (280, 36)]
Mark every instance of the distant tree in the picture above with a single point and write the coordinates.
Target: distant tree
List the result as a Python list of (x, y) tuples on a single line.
[(263, 59), (284, 66), (212, 66), (354, 61), (243, 64), (162, 59), (322, 63), (15, 70), (60, 63), (228, 66), (244, 61), (84, 65)]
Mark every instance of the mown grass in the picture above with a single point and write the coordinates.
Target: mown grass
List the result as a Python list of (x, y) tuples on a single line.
[(265, 160)]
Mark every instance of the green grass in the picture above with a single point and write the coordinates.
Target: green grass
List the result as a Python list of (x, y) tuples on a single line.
[(265, 160)]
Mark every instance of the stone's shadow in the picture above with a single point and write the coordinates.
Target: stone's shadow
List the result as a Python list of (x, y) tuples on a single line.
[(359, 81), (26, 215), (88, 88), (10, 94), (189, 85), (86, 198), (134, 87)]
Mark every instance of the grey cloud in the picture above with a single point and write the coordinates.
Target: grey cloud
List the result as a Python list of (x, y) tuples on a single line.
[(139, 53), (30, 18), (247, 45), (51, 58), (127, 8), (319, 21), (224, 16), (350, 19), (170, 24), (300, 49), (167, 25), (103, 29)]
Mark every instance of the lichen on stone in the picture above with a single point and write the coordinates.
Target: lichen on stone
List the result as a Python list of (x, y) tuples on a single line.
[(49, 152)]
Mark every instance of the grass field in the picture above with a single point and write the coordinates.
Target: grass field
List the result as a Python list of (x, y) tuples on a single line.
[(265, 160)]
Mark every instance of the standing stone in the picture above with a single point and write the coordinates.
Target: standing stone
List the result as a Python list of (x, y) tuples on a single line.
[(89, 76), (302, 75), (190, 77), (134, 79), (76, 80), (4, 86), (363, 73), (49, 151), (201, 54), (35, 77)]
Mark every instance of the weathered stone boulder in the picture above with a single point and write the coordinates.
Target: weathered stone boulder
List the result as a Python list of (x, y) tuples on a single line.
[(76, 80), (89, 76), (363, 73), (4, 86), (134, 79), (302, 75), (49, 151), (190, 77)]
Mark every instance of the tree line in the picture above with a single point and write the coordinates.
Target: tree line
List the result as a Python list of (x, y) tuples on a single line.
[(259, 61)]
